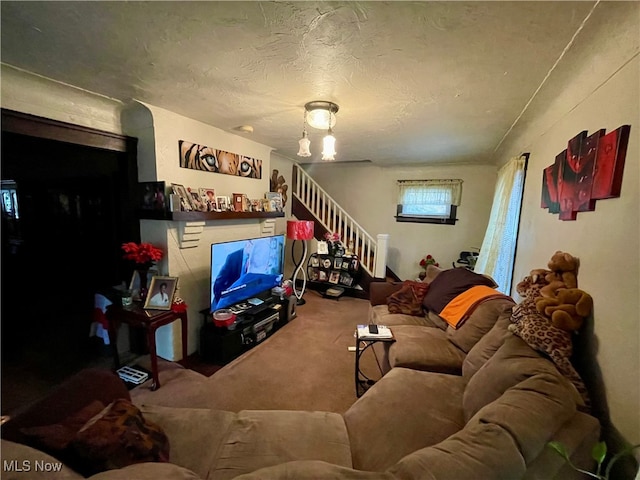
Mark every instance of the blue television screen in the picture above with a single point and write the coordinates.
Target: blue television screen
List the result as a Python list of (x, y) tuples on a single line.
[(243, 269)]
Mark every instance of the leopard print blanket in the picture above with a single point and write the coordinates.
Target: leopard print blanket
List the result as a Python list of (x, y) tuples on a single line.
[(538, 332)]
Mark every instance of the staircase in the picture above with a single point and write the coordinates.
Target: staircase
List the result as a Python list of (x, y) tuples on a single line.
[(311, 202)]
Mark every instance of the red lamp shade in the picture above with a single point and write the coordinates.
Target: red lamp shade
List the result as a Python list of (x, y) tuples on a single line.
[(299, 230)]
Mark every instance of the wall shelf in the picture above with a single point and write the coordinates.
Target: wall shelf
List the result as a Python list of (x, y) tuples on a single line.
[(191, 224), (204, 216)]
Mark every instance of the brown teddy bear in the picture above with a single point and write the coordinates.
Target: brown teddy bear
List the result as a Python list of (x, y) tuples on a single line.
[(564, 268), (567, 309)]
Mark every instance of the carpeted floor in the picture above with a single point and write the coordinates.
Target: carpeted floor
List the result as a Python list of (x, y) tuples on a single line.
[(306, 365)]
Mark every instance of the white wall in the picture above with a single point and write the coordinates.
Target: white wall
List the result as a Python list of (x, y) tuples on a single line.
[(597, 87), (369, 193)]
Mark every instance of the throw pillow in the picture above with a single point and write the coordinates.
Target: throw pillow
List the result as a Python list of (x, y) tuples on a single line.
[(119, 436), (408, 299), (55, 438), (449, 284)]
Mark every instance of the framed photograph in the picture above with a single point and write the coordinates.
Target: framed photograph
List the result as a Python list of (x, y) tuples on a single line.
[(315, 262), (208, 196), (196, 201), (354, 265), (134, 284), (322, 275), (346, 279), (238, 202), (161, 291), (185, 198), (275, 201), (326, 262), (334, 277), (152, 196), (313, 274), (223, 203), (323, 248), (337, 262)]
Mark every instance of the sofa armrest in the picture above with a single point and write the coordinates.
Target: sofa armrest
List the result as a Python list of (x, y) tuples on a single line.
[(69, 397), (380, 291)]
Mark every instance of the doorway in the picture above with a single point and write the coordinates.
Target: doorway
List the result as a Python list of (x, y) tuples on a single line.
[(60, 245)]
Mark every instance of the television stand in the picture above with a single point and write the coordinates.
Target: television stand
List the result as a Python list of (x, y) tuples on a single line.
[(220, 345)]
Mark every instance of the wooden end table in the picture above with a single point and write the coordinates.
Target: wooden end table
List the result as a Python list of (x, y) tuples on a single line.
[(150, 320)]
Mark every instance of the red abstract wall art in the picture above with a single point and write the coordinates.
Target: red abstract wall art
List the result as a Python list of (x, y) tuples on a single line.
[(589, 169)]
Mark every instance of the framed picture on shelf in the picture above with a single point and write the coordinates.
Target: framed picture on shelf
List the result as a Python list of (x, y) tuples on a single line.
[(322, 276), (161, 291), (134, 284), (354, 264), (337, 262), (313, 274), (345, 263), (346, 279), (152, 196), (223, 203), (323, 247), (197, 202), (314, 261), (334, 277), (326, 263), (185, 198), (208, 196)]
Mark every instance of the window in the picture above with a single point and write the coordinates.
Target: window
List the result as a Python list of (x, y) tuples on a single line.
[(428, 201)]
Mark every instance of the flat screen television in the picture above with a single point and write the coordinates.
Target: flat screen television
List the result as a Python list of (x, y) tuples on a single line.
[(244, 269)]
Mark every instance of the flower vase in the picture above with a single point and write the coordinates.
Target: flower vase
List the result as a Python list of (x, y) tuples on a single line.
[(143, 273)]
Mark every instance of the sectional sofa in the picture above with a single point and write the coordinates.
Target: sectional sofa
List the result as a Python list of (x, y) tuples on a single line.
[(479, 405)]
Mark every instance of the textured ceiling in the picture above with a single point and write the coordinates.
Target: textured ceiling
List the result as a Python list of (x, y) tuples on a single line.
[(416, 82)]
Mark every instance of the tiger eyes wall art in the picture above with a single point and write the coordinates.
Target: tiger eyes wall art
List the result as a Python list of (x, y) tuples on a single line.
[(207, 159)]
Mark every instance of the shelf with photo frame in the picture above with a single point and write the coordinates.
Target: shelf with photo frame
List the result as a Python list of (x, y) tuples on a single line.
[(333, 270)]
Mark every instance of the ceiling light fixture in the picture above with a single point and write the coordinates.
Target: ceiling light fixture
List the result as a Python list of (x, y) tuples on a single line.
[(304, 142), (319, 114)]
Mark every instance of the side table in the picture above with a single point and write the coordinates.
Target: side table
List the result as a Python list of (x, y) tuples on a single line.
[(150, 320), (363, 382)]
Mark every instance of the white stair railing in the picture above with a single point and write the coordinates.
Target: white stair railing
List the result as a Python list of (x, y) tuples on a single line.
[(371, 253)]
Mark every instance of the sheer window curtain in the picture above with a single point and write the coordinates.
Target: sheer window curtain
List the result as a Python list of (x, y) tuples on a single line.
[(499, 245), (434, 192)]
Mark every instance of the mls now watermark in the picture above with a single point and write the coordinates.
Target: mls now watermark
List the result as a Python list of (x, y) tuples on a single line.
[(30, 466)]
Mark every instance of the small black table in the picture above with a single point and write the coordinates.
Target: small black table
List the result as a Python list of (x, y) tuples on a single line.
[(363, 382)]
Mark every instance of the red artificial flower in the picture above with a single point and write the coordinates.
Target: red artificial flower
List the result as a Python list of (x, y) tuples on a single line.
[(428, 260), (142, 253)]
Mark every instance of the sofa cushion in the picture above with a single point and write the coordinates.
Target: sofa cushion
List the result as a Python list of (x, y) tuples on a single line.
[(481, 320), (404, 411), (188, 430), (449, 284), (19, 453), (512, 363), (408, 299), (380, 315), (119, 436), (148, 471), (262, 438), (532, 410), (479, 451), (484, 349), (424, 348)]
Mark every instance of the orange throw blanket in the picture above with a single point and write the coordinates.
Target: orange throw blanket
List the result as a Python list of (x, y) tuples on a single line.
[(461, 307)]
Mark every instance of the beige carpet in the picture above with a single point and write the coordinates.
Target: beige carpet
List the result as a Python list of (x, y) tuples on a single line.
[(306, 365)]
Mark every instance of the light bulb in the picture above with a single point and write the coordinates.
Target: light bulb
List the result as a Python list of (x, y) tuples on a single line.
[(304, 146), (329, 147)]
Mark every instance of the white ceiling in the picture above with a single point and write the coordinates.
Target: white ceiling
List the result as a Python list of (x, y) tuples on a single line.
[(416, 82)]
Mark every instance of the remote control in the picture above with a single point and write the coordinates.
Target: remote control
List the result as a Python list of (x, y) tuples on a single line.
[(373, 329)]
